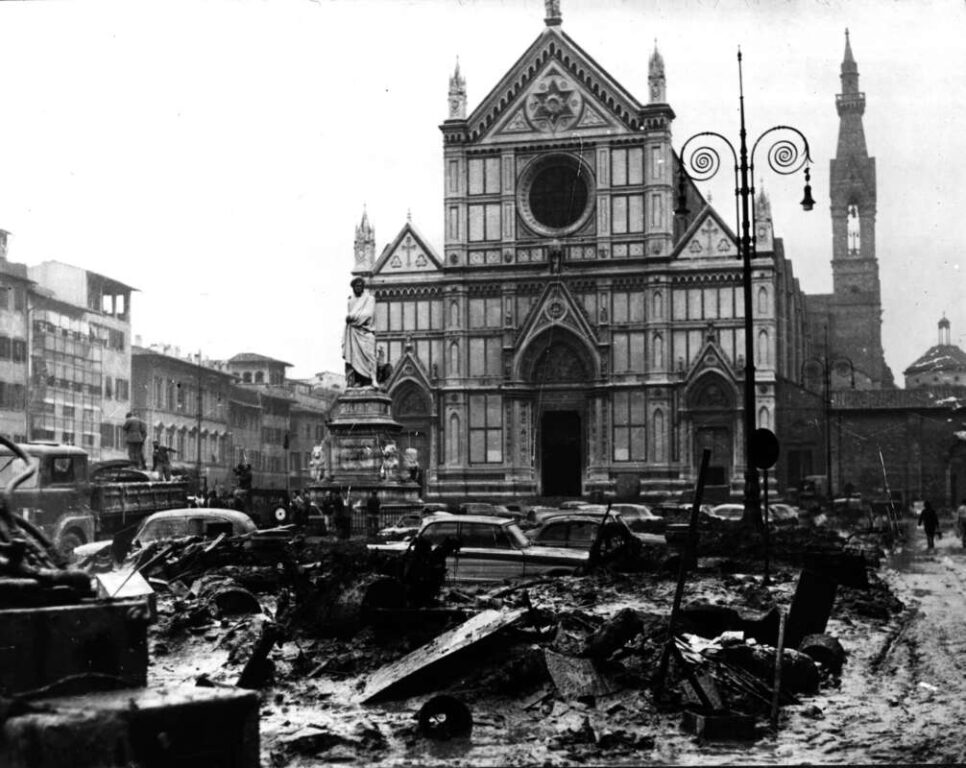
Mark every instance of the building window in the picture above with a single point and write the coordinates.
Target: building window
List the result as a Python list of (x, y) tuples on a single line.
[(627, 214), (107, 435), (247, 377), (485, 313), (628, 352), (484, 176), (485, 354), (629, 433), (486, 429), (259, 377), (19, 350), (108, 388), (627, 166), (484, 222), (123, 389)]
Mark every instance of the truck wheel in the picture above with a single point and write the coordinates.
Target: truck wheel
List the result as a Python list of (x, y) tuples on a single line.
[(280, 515), (68, 541)]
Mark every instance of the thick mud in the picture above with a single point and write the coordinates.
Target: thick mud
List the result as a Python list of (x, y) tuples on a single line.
[(896, 698)]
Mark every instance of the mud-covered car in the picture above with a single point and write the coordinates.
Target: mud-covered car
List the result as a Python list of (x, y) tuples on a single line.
[(574, 530), (488, 548), (174, 524), (406, 526), (640, 518)]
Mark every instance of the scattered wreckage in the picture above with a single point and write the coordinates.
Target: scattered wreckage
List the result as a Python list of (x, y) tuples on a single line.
[(293, 627)]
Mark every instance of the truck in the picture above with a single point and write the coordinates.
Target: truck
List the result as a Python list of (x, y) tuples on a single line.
[(72, 505)]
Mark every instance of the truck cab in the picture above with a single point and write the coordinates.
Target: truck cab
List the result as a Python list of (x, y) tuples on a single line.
[(56, 498)]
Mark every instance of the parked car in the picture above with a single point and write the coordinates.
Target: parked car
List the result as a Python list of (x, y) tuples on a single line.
[(574, 530), (729, 513), (536, 515), (573, 504), (408, 525), (488, 508), (489, 549), (639, 517), (171, 524), (783, 514)]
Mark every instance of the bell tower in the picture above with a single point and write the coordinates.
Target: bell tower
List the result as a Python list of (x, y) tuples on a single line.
[(856, 327)]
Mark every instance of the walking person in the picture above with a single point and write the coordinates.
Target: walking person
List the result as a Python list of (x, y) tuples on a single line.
[(372, 514), (929, 521)]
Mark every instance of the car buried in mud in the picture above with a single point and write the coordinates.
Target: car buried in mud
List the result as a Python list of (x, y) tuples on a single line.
[(488, 549)]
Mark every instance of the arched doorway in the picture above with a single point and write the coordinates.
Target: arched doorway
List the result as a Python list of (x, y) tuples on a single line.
[(559, 367), (711, 403), (411, 408)]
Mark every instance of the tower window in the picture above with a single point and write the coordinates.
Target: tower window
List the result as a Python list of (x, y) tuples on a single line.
[(854, 229)]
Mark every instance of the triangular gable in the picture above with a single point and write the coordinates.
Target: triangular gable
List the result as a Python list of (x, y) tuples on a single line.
[(409, 368), (533, 95), (708, 237), (555, 307), (711, 358), (407, 253), (554, 104)]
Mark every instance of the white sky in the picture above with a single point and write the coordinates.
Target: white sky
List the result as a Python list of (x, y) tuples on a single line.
[(217, 154)]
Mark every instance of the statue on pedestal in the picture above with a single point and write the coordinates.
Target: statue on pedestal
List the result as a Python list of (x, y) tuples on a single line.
[(359, 339)]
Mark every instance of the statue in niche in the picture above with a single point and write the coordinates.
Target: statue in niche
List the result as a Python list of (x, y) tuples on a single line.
[(359, 338), (390, 462)]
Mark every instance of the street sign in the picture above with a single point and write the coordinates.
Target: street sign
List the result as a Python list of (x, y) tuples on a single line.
[(764, 448)]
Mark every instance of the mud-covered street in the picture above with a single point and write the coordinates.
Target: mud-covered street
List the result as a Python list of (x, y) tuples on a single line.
[(892, 702)]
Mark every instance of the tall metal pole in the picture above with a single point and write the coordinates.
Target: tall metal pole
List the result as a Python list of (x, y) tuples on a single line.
[(26, 367), (200, 414), (828, 423), (751, 503)]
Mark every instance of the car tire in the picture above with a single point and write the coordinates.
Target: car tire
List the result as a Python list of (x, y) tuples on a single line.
[(280, 515), (67, 541)]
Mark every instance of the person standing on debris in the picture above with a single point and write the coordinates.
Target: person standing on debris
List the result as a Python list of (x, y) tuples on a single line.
[(161, 460), (929, 521), (372, 514), (135, 433)]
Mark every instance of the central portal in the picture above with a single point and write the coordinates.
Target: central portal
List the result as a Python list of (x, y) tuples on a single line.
[(560, 453)]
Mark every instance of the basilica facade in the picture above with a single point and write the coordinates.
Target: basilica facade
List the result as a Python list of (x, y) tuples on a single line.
[(574, 334)]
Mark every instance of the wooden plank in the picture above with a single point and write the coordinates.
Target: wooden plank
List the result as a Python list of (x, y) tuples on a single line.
[(575, 677), (469, 633)]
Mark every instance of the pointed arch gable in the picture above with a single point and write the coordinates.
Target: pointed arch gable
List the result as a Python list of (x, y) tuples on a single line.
[(711, 391), (556, 355)]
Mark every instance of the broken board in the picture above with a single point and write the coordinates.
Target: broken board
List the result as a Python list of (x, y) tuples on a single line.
[(427, 658), (575, 677)]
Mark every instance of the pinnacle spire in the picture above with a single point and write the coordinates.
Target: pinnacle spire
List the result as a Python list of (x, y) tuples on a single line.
[(457, 94), (554, 17), (850, 70), (657, 85)]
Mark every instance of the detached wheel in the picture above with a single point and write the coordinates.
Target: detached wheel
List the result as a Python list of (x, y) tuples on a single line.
[(280, 515)]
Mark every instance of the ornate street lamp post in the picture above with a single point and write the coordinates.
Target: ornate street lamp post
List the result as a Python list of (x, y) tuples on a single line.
[(787, 154)]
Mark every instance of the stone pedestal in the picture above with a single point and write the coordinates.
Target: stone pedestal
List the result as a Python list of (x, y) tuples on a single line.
[(362, 437)]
